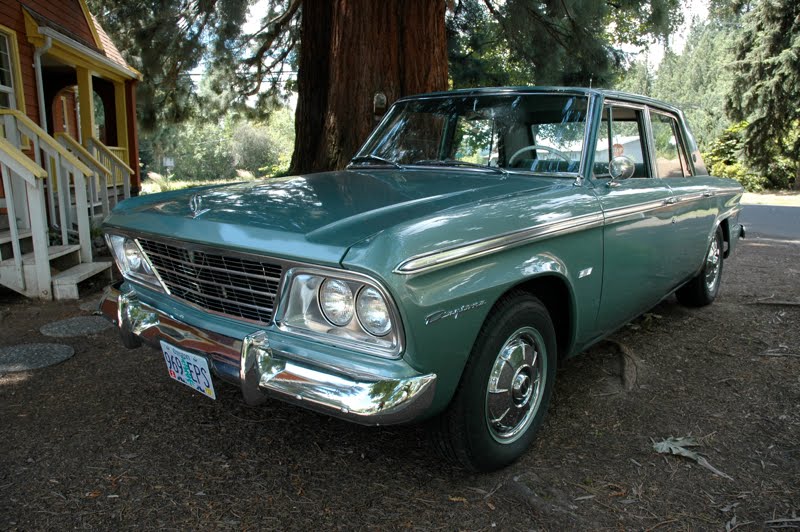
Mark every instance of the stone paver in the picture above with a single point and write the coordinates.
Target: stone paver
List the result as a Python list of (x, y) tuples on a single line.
[(80, 326), (32, 356), (90, 306)]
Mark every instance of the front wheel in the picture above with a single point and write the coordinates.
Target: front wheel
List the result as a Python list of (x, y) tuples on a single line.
[(703, 288), (505, 389)]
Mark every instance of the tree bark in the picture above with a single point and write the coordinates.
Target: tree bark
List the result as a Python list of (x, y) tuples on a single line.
[(349, 51)]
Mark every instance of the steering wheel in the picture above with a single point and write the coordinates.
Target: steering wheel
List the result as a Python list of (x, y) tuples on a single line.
[(538, 147)]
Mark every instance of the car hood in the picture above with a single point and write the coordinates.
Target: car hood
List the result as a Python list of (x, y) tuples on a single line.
[(314, 217)]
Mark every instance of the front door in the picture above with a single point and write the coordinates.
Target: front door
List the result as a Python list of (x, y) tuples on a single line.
[(638, 221)]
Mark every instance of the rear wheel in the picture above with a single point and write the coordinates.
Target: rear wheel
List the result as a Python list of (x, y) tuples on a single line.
[(704, 287), (505, 389)]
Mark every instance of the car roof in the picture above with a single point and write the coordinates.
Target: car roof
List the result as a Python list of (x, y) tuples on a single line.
[(606, 93)]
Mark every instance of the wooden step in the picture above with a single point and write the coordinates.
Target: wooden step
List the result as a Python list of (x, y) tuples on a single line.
[(53, 252), (65, 284), (5, 236)]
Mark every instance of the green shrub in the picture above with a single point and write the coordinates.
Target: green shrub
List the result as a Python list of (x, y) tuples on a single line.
[(751, 182)]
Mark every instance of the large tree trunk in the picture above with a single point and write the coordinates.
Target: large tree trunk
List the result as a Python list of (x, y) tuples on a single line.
[(349, 51)]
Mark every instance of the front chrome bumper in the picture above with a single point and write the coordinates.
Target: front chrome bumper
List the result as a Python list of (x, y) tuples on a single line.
[(262, 371)]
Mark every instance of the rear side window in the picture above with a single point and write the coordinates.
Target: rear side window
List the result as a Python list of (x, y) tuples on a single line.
[(670, 154)]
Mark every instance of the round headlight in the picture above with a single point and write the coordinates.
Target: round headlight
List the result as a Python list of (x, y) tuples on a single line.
[(373, 312), (133, 257), (336, 302)]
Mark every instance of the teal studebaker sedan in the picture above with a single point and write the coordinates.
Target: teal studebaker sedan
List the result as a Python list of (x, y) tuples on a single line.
[(478, 239)]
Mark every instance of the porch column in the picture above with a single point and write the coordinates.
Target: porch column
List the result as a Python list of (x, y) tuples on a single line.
[(121, 112), (86, 102), (132, 136)]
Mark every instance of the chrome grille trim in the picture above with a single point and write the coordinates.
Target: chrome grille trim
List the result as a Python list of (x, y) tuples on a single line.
[(229, 283)]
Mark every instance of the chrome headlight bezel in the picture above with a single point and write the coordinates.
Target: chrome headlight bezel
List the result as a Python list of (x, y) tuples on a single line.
[(300, 313), (142, 272)]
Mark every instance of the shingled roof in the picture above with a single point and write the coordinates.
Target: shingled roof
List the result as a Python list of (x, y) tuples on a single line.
[(110, 50)]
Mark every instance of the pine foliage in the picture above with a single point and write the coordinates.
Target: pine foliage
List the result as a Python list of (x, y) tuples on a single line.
[(766, 88)]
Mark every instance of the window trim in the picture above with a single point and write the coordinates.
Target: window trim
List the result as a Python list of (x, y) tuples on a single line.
[(644, 129), (683, 152), (16, 67)]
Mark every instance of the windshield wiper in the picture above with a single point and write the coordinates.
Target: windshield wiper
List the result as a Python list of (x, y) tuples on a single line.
[(456, 162), (373, 159)]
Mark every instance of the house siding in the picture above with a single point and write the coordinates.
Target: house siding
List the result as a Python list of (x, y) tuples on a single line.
[(12, 18)]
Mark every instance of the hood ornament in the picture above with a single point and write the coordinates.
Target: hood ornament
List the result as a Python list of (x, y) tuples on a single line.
[(196, 206)]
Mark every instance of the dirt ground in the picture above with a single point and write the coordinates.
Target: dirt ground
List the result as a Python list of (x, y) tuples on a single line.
[(106, 440)]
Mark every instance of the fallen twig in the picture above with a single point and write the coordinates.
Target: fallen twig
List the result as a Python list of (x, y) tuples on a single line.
[(778, 354), (783, 521)]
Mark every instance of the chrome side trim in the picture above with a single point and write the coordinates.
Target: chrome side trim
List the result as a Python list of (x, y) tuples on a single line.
[(693, 197), (479, 248), (621, 214)]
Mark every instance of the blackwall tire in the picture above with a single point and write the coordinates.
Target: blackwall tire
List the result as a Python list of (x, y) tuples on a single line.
[(702, 289), (505, 388)]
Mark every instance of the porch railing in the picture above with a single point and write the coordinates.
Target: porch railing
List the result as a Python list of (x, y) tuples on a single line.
[(120, 171), (20, 176), (62, 170), (98, 184), (122, 153)]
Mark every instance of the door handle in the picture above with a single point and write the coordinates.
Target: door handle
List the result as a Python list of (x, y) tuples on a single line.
[(708, 194), (670, 201)]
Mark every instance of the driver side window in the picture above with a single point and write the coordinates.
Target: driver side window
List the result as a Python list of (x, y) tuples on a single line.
[(621, 135)]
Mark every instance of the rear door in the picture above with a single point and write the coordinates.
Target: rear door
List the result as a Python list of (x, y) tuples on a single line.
[(695, 209), (637, 224)]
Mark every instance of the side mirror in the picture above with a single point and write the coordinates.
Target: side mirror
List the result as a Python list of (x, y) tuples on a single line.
[(621, 167)]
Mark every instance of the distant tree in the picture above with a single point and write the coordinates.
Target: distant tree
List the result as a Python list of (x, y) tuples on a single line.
[(166, 40), (697, 80), (637, 79), (564, 42), (766, 87)]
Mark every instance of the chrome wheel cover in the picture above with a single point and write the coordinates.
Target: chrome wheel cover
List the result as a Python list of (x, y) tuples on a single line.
[(713, 262), (516, 385)]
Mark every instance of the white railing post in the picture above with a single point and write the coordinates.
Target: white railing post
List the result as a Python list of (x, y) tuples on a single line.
[(12, 223), (41, 243), (21, 208), (82, 209), (61, 180), (106, 203)]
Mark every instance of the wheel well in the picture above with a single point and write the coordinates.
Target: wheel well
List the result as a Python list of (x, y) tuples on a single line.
[(554, 293)]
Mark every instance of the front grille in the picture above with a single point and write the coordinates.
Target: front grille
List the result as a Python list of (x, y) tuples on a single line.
[(216, 280)]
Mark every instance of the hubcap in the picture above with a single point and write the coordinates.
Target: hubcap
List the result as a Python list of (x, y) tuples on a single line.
[(516, 383), (713, 260)]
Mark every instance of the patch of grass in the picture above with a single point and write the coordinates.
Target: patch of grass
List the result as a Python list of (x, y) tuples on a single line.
[(162, 183)]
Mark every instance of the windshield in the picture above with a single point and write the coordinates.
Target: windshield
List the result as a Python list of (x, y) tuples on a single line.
[(541, 133)]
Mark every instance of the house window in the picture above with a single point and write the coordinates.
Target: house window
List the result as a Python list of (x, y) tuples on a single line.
[(7, 95)]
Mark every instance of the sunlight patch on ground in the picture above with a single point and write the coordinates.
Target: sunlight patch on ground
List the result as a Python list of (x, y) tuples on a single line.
[(788, 198)]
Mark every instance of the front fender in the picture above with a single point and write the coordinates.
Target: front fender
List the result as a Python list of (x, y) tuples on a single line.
[(443, 310)]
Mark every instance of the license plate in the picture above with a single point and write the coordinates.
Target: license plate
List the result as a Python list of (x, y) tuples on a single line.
[(191, 370)]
